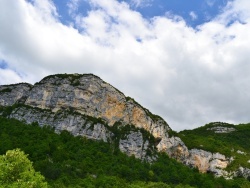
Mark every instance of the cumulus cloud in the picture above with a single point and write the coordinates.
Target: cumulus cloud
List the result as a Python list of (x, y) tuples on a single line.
[(188, 76)]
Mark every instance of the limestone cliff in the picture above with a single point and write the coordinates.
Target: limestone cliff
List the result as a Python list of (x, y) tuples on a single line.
[(11, 94), (130, 140), (68, 102), (89, 95), (76, 124)]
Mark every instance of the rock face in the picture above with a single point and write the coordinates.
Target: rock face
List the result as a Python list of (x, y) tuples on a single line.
[(89, 95), (87, 106), (243, 172), (134, 144), (76, 124), (11, 94), (174, 147), (207, 162), (220, 129), (80, 125)]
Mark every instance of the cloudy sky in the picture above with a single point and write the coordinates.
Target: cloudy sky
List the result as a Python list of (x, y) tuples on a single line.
[(187, 61)]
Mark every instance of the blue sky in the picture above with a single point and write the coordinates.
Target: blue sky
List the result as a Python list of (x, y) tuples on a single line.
[(194, 12), (187, 61), (3, 64)]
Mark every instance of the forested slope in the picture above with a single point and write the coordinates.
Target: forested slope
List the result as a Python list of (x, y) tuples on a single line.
[(228, 139), (68, 161)]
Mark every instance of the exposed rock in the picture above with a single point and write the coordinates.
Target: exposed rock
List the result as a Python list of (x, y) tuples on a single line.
[(88, 94), (133, 144), (75, 124), (206, 161), (200, 159), (241, 152), (174, 147), (79, 125), (217, 163), (243, 172), (220, 129), (16, 93)]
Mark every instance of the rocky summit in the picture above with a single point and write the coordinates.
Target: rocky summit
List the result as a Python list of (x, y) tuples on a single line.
[(85, 105)]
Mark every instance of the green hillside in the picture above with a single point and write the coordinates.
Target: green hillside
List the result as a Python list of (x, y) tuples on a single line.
[(233, 144), (68, 161)]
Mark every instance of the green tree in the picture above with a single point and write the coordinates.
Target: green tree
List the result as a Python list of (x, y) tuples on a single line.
[(16, 170)]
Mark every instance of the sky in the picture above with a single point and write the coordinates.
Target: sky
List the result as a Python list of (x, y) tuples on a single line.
[(187, 61)]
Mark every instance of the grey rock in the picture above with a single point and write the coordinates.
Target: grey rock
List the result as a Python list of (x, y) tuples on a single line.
[(243, 172), (174, 147), (88, 94), (220, 129), (134, 144), (16, 93), (241, 152), (78, 125), (206, 161)]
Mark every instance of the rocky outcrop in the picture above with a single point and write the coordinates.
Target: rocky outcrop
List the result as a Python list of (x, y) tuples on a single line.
[(16, 93), (89, 95), (204, 161), (76, 124), (243, 172), (174, 147), (134, 144), (221, 129), (207, 162)]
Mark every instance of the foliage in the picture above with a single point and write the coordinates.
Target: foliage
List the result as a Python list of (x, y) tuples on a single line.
[(228, 144), (6, 90), (73, 78), (68, 161), (16, 170)]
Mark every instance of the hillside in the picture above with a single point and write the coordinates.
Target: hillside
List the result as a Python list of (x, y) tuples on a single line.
[(228, 139), (86, 106), (68, 161)]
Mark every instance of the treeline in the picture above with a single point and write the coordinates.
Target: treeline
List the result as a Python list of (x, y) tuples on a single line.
[(67, 161)]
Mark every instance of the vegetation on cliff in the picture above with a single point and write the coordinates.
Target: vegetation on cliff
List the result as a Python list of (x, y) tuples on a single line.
[(232, 144), (67, 161)]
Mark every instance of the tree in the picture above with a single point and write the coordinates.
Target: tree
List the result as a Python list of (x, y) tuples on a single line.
[(16, 170)]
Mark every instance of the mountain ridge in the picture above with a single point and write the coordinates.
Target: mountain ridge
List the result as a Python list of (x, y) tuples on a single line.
[(87, 94)]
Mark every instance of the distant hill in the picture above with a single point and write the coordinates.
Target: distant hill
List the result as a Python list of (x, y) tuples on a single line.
[(228, 139)]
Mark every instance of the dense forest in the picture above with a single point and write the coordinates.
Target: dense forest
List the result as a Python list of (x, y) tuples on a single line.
[(68, 161)]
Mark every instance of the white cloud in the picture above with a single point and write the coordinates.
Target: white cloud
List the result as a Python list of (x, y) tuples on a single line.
[(193, 15), (141, 3), (190, 77), (8, 76), (73, 6), (210, 2)]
